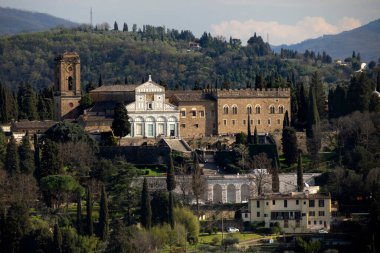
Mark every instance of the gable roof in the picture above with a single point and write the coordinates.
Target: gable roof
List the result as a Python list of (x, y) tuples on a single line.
[(116, 88)]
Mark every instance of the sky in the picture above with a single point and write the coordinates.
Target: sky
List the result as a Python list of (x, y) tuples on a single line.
[(282, 21)]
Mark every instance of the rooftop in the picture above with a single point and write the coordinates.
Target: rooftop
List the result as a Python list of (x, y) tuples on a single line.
[(292, 195), (116, 88)]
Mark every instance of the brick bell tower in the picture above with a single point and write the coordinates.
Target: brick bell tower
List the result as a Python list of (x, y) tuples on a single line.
[(67, 89)]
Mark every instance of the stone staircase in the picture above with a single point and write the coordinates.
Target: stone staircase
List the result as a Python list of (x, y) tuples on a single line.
[(178, 145)]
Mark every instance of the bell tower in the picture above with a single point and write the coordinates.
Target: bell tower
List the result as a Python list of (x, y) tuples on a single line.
[(67, 88)]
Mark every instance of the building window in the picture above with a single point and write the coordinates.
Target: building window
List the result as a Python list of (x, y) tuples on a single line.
[(194, 113), (258, 109), (234, 109), (285, 203), (202, 114), (258, 214), (70, 83), (268, 121), (309, 222), (150, 106), (225, 109), (297, 202), (251, 121), (281, 109), (249, 109), (183, 125), (311, 213), (183, 113), (225, 122), (233, 122), (311, 203), (321, 203), (196, 125), (150, 130), (271, 109), (321, 213), (279, 121), (244, 121), (246, 215), (286, 223), (267, 203), (258, 204), (273, 202), (315, 222), (320, 222), (258, 122), (265, 215)]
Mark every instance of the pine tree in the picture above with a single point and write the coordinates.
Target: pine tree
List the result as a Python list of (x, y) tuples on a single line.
[(79, 224), (89, 221), (255, 137), (103, 215), (286, 122), (8, 105), (146, 210), (120, 124), (57, 239), (12, 158), (27, 164), (249, 134), (289, 145), (300, 183)]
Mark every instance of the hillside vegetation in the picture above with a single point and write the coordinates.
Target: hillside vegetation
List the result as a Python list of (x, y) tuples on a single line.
[(130, 56)]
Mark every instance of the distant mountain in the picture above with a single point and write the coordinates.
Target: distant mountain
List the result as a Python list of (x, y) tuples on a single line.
[(13, 21), (364, 39)]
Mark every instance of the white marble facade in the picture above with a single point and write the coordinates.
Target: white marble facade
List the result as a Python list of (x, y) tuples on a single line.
[(150, 116)]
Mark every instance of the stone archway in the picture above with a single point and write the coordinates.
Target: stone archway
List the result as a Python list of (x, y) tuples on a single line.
[(231, 193), (217, 194), (245, 192)]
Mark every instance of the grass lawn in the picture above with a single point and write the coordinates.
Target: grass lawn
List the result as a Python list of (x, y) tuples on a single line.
[(207, 239), (154, 172)]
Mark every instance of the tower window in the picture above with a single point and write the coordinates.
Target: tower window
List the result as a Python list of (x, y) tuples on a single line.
[(271, 109), (70, 83)]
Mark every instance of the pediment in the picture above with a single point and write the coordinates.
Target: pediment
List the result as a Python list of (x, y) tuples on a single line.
[(149, 87)]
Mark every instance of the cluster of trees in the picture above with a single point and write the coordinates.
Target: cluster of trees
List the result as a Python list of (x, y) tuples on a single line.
[(26, 104)]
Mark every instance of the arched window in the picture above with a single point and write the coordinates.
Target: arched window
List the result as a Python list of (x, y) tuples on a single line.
[(234, 109), (70, 83), (281, 109), (258, 109), (225, 109), (249, 109), (271, 109)]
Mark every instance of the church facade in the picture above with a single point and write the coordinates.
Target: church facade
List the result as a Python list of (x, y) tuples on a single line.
[(155, 112)]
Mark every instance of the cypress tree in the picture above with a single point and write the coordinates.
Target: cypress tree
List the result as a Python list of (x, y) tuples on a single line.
[(100, 81), (27, 164), (374, 103), (317, 85), (79, 224), (300, 183), (359, 92), (146, 210), (3, 148), (170, 185), (286, 122), (125, 27), (57, 239), (294, 105), (275, 178), (51, 163), (313, 115), (115, 26), (249, 134), (378, 81), (120, 124), (89, 221), (12, 158), (302, 108), (171, 209), (255, 136), (103, 216), (289, 145)]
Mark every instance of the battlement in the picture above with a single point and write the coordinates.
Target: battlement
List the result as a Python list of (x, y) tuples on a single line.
[(251, 93)]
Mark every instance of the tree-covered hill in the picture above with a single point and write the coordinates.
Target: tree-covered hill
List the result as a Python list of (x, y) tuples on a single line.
[(14, 21), (130, 56)]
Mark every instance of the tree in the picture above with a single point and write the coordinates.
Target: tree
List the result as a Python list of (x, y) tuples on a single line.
[(170, 186), (51, 163), (317, 85), (12, 158), (103, 215), (197, 182), (300, 183), (360, 90), (255, 137), (120, 124), (302, 108), (27, 102), (146, 210), (57, 239), (79, 224), (115, 26), (3, 148), (100, 80), (249, 135), (27, 164), (374, 103), (8, 105), (85, 102), (125, 27), (286, 122), (289, 145), (89, 221), (313, 115), (261, 165), (185, 217), (241, 138)]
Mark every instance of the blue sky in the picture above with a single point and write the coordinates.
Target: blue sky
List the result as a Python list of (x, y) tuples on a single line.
[(286, 21)]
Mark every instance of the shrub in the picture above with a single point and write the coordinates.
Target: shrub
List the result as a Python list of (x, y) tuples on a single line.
[(230, 241), (215, 241)]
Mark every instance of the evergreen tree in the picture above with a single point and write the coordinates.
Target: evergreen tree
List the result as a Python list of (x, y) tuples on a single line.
[(170, 186), (249, 134), (374, 103), (259, 84), (3, 148), (302, 108), (27, 102), (12, 158), (100, 81), (125, 27), (255, 137), (294, 106), (197, 183), (120, 124), (115, 26), (51, 162), (378, 81), (317, 85), (8, 105), (171, 209), (27, 164), (313, 115), (89, 221), (359, 92), (79, 224), (275, 178), (146, 210), (57, 239), (103, 215), (286, 122), (289, 145), (300, 183)]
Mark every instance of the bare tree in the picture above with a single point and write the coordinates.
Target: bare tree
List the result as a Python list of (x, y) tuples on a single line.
[(260, 165), (243, 153), (198, 183), (184, 182)]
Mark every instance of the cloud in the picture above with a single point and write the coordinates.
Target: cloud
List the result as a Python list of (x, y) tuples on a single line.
[(308, 27)]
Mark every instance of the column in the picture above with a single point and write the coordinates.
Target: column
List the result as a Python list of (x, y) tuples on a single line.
[(238, 193), (210, 193), (224, 193), (177, 130)]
